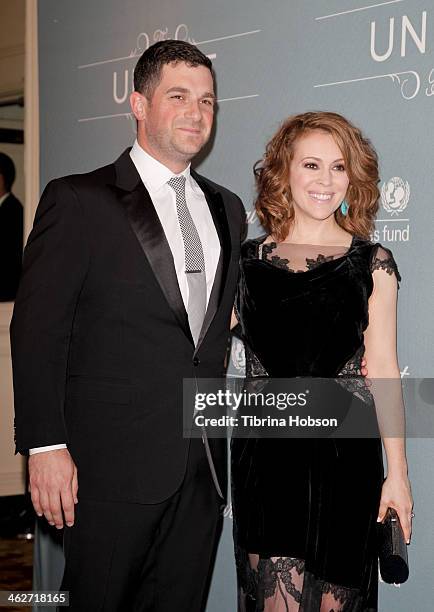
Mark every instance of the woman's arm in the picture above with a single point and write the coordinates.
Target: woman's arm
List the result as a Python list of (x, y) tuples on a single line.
[(381, 355), (234, 320)]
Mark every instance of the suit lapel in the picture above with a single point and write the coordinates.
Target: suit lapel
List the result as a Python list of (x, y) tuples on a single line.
[(218, 213), (146, 225)]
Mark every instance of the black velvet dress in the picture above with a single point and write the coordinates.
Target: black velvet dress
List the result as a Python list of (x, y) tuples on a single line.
[(305, 510)]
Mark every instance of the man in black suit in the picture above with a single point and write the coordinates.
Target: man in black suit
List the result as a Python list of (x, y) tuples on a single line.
[(128, 283), (11, 231)]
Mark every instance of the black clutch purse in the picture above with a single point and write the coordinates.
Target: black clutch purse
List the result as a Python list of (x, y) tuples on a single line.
[(392, 553)]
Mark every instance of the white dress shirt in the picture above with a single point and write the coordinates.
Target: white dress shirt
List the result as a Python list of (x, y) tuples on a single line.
[(155, 177)]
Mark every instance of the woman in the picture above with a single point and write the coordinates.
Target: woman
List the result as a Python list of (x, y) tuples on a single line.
[(314, 296)]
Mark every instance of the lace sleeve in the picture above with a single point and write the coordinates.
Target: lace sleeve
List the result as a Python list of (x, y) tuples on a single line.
[(382, 259)]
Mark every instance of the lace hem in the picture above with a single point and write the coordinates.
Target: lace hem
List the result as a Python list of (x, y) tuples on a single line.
[(282, 584)]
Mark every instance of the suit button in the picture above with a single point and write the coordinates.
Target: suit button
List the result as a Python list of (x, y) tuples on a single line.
[(196, 361)]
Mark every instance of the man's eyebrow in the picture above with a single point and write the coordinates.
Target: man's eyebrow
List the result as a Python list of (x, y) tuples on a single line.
[(181, 89), (208, 94)]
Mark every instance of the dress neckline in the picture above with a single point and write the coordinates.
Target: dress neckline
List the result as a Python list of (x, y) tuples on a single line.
[(261, 240)]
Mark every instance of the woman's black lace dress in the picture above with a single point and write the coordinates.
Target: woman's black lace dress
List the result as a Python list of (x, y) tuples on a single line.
[(305, 510)]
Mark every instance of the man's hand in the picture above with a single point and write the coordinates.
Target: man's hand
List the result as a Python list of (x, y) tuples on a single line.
[(54, 486)]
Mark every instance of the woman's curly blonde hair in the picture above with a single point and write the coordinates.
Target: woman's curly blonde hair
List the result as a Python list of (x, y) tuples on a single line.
[(274, 202)]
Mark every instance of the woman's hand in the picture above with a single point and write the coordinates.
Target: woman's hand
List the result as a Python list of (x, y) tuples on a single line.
[(396, 493)]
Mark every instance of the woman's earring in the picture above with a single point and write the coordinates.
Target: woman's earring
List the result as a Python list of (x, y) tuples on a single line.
[(344, 207)]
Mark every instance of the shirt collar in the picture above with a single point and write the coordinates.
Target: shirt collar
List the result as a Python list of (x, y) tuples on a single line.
[(4, 196), (153, 173)]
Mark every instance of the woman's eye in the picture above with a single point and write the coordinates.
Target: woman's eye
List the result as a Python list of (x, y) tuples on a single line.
[(311, 165), (340, 167), (177, 97)]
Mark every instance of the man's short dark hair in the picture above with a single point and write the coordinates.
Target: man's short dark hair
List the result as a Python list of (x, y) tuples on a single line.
[(7, 170), (147, 73)]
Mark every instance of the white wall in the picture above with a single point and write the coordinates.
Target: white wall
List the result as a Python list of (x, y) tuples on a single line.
[(11, 85)]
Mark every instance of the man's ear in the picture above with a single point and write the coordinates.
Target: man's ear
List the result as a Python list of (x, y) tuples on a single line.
[(138, 104)]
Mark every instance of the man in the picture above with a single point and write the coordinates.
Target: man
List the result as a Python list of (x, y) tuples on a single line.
[(128, 285), (11, 231)]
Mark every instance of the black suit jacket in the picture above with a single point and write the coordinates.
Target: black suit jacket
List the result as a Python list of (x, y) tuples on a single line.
[(100, 336), (11, 247)]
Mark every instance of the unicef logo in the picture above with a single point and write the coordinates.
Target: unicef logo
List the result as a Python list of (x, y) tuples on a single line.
[(395, 195), (238, 355)]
